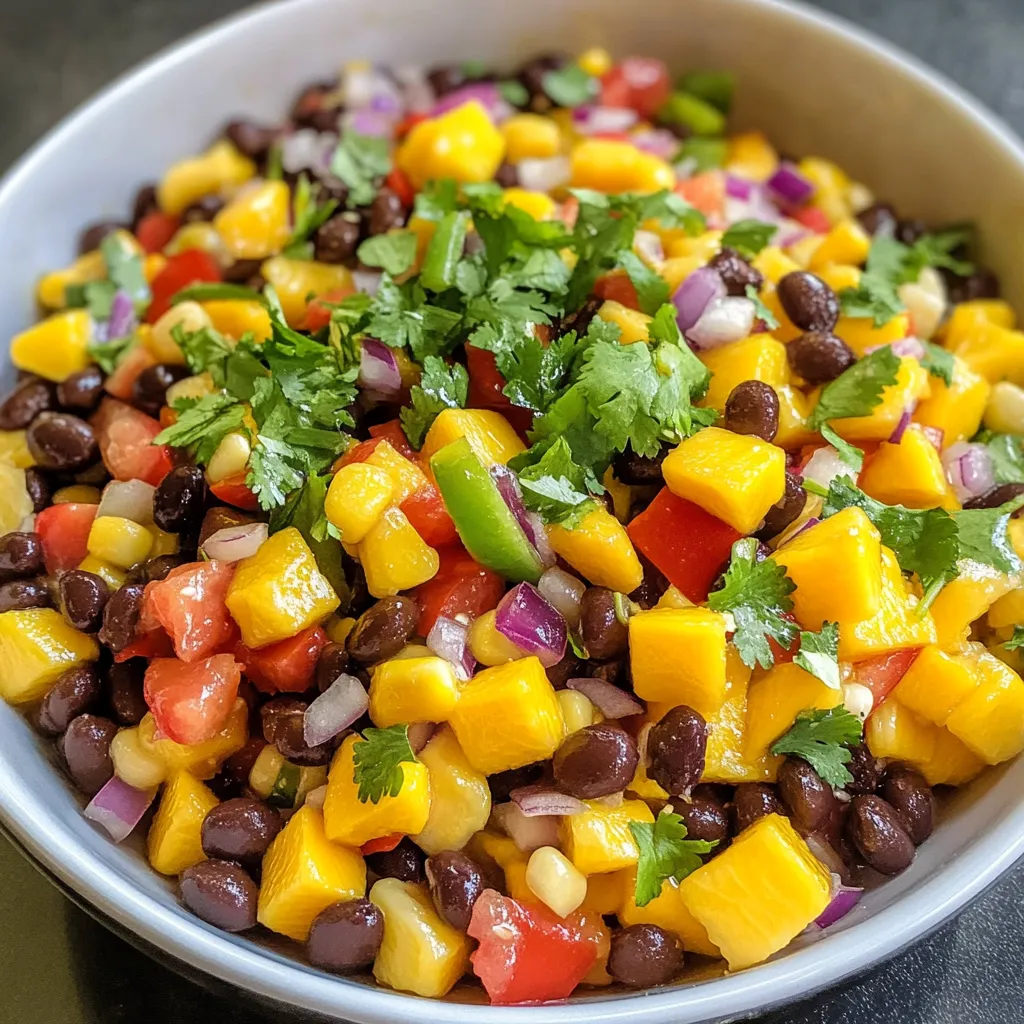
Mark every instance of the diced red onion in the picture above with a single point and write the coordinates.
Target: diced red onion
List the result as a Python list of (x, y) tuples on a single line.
[(607, 698), (334, 710), (593, 119), (737, 187), (936, 435), (128, 499), (723, 322), (528, 833), (813, 521), (659, 141), (233, 543), (898, 431), (532, 624), (367, 280), (122, 320), (969, 469), (563, 592), (544, 175), (909, 348), (367, 121), (539, 534), (420, 734), (541, 800), (378, 369), (790, 185), (365, 86), (508, 487), (448, 639), (824, 466), (844, 899), (308, 150), (695, 295), (785, 238), (485, 93), (118, 807), (648, 246)]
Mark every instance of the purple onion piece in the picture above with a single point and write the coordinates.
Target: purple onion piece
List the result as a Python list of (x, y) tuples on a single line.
[(790, 186), (724, 321), (540, 800), (118, 807), (533, 625), (844, 899), (448, 639), (508, 487), (485, 93), (335, 709), (738, 188), (378, 368), (694, 296), (607, 698), (122, 319), (898, 431)]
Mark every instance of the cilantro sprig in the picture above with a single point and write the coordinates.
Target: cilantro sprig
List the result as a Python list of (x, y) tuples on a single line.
[(378, 759), (748, 237), (819, 654), (360, 161), (1016, 642), (822, 739), (665, 853), (440, 387), (308, 216)]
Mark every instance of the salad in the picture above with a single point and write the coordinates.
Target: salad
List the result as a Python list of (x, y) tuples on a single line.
[(507, 528)]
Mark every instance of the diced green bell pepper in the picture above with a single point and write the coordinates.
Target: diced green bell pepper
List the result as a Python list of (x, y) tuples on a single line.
[(700, 117)]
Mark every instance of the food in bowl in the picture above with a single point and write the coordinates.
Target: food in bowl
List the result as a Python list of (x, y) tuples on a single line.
[(508, 527)]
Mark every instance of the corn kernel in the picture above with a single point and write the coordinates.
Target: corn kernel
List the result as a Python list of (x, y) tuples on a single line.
[(488, 645), (56, 347), (1004, 412), (265, 770), (357, 498), (555, 881), (577, 710), (596, 61), (81, 493), (406, 477), (230, 458), (186, 182), (530, 136), (113, 575), (119, 541), (338, 629), (190, 316), (191, 387), (133, 763)]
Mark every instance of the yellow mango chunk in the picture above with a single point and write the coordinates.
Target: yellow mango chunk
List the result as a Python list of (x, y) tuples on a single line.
[(759, 357), (935, 684), (15, 503), (36, 647), (460, 798), (256, 223), (600, 839), (539, 205), (200, 759), (996, 353), (508, 716), (751, 155), (1008, 610), (51, 291), (462, 144), (604, 892), (773, 263), (968, 597), (759, 894), (420, 953), (667, 910), (608, 165), (279, 591), (530, 137), (406, 690), (847, 242), (861, 334), (990, 720), (490, 435), (394, 556), (966, 317), (357, 498), (304, 873), (296, 281), (911, 385), (909, 473), (14, 449), (600, 549), (735, 477), (174, 842), (222, 166), (236, 317), (837, 568), (794, 411), (633, 325), (955, 409), (55, 347), (657, 637), (351, 822)]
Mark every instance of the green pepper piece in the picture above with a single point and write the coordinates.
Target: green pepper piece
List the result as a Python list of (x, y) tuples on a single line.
[(444, 252), (286, 786), (706, 153), (488, 528), (714, 87), (700, 117)]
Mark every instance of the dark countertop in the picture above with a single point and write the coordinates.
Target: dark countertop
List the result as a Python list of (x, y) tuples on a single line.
[(57, 965)]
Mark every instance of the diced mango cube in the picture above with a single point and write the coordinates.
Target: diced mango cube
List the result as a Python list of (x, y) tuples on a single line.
[(394, 556), (257, 222), (909, 473), (237, 317), (36, 647), (667, 910), (735, 477), (462, 144), (186, 182), (935, 684), (601, 550), (412, 690), (55, 347), (175, 842), (358, 495), (968, 597), (296, 281), (530, 136), (51, 291), (508, 716), (539, 205), (751, 155), (633, 325), (996, 353), (759, 357), (966, 317), (1008, 610), (490, 435), (610, 165), (956, 410), (604, 892), (911, 386), (990, 720), (861, 334), (773, 263), (847, 242), (794, 411), (599, 839)]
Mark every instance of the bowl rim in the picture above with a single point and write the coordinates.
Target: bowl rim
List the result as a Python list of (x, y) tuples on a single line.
[(276, 978)]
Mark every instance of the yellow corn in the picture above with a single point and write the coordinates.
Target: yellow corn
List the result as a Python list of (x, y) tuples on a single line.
[(190, 316), (596, 61), (55, 347), (83, 494), (488, 645), (608, 165), (197, 386), (201, 759), (406, 477), (394, 556), (134, 764), (255, 224), (462, 144), (186, 182), (530, 136), (1004, 412), (555, 881), (36, 647), (357, 498), (577, 710), (113, 575), (230, 458), (119, 541)]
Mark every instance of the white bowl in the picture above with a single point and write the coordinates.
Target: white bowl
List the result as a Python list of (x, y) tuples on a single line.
[(816, 85)]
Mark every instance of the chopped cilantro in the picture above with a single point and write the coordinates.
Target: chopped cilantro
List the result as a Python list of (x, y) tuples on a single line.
[(748, 237), (307, 216), (124, 269), (401, 317), (819, 654), (107, 354), (665, 853), (203, 423), (761, 311), (851, 455), (514, 92), (822, 739), (394, 252), (1007, 451), (215, 292), (757, 595), (96, 296), (651, 288), (359, 161), (440, 387), (857, 391), (570, 86), (983, 536), (939, 362), (556, 487), (378, 759), (1016, 642)]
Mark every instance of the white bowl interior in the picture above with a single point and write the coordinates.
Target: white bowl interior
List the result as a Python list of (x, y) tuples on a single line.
[(815, 87)]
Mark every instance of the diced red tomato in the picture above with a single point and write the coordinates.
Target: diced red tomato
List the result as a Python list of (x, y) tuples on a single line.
[(152, 644), (190, 267), (155, 230), (526, 954), (393, 433), (813, 218), (705, 191), (462, 586), (615, 286), (399, 183), (189, 604), (64, 532), (425, 510), (125, 437), (780, 653), (880, 675), (485, 390), (382, 845), (407, 124), (688, 545), (642, 83), (357, 453), (233, 490), (132, 363), (286, 666), (191, 701), (318, 312)]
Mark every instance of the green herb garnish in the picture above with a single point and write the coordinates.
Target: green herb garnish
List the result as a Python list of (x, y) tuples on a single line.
[(378, 759), (822, 739)]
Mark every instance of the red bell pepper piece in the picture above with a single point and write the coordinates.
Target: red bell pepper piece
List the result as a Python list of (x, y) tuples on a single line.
[(813, 218), (399, 183), (64, 532), (430, 519), (155, 230), (190, 267), (286, 666), (233, 490), (615, 286), (462, 586), (881, 674), (318, 312), (689, 546), (485, 390), (383, 844), (393, 433)]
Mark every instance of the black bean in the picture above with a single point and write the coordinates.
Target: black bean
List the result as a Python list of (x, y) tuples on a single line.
[(808, 799), (879, 218), (85, 747), (639, 470), (996, 496), (217, 518), (911, 798), (595, 761), (386, 212), (202, 210), (180, 499), (654, 585), (21, 554), (819, 356), (456, 882), (982, 284), (241, 829), (38, 488), (81, 390), (242, 270), (89, 240), (158, 568), (506, 175), (753, 408), (282, 719), (532, 75), (149, 391), (808, 301), (145, 202), (311, 109), (333, 661), (566, 668), (644, 955), (502, 783), (337, 239), (121, 616), (876, 830), (382, 630), (21, 594), (83, 596), (910, 231), (238, 766), (865, 769), (675, 749), (752, 801), (704, 818), (26, 402), (58, 440), (736, 273), (220, 893), (76, 691), (786, 509), (604, 636), (345, 937), (127, 695), (251, 139), (404, 862)]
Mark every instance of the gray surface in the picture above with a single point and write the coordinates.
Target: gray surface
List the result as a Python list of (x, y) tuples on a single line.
[(59, 967)]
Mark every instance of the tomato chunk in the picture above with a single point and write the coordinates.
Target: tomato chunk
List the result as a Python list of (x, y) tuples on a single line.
[(398, 181), (880, 675), (286, 666), (430, 519), (235, 491), (813, 218), (462, 586), (393, 433), (615, 286), (382, 845), (485, 390), (191, 701), (526, 953), (189, 605), (125, 437), (642, 83), (318, 312), (705, 191), (64, 532), (155, 230), (689, 546), (154, 643), (133, 362), (190, 267)]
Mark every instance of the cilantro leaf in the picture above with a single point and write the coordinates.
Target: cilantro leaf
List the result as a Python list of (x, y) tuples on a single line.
[(939, 362), (819, 654), (107, 354), (822, 739), (359, 161), (514, 92), (651, 288), (124, 268), (936, 250), (757, 595), (203, 423), (378, 759), (437, 199), (96, 296), (748, 237), (857, 391), (761, 311), (982, 535), (535, 373), (1007, 451), (402, 318), (394, 252), (556, 487), (1016, 642), (307, 216), (874, 298), (665, 853), (440, 387), (569, 86), (851, 455), (216, 291)]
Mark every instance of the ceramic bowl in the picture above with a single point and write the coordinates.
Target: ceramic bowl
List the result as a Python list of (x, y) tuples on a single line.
[(816, 85)]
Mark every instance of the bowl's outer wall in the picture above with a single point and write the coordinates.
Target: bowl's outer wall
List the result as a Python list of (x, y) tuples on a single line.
[(815, 87)]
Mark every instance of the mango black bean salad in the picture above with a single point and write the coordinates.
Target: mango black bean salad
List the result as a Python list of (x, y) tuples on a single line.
[(508, 529)]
